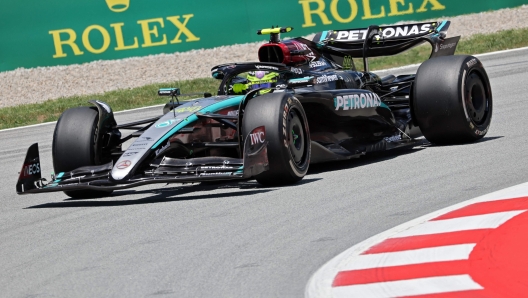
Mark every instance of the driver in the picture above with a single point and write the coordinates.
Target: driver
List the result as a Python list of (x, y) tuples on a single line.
[(255, 80)]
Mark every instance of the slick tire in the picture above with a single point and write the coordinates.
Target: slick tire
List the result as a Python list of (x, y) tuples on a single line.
[(452, 101), (287, 135), (73, 145)]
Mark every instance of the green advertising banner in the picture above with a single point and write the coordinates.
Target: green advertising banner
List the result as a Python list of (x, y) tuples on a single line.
[(61, 32)]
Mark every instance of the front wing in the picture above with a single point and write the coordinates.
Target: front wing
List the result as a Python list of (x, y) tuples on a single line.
[(165, 170)]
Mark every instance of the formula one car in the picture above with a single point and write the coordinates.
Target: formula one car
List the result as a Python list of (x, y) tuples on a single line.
[(303, 102)]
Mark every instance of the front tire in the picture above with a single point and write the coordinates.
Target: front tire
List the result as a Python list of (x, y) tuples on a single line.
[(287, 134), (74, 145), (452, 100)]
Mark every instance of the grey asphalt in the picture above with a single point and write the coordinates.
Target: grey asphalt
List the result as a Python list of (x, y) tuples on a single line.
[(240, 239)]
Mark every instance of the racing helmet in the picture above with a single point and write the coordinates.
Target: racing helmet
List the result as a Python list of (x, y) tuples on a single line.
[(255, 80)]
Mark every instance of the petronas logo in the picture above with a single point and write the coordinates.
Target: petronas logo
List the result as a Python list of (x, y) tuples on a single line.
[(118, 5)]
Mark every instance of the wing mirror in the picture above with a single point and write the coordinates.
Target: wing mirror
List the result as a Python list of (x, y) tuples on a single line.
[(169, 91)]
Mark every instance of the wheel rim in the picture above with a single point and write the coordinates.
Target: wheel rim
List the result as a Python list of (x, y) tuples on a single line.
[(476, 99), (296, 137)]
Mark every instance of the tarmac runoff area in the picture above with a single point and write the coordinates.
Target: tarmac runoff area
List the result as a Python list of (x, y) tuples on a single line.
[(473, 249)]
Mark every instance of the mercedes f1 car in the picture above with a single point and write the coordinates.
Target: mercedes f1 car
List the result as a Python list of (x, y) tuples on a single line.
[(303, 102)]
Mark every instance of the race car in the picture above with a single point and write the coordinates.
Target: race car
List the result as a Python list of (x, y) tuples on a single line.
[(304, 102)]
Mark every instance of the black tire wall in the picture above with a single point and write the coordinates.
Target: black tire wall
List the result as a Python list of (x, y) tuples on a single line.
[(73, 145), (284, 118), (452, 100)]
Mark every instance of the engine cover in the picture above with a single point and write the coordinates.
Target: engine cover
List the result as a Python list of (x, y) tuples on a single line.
[(290, 52)]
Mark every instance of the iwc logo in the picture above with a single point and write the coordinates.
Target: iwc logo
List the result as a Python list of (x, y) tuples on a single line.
[(118, 5)]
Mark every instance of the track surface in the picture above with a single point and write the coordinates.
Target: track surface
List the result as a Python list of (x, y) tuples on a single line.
[(239, 239)]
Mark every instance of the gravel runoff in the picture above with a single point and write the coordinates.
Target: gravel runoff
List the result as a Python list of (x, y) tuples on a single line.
[(33, 85)]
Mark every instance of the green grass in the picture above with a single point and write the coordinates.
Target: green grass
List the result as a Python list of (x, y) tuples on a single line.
[(147, 95), (119, 100)]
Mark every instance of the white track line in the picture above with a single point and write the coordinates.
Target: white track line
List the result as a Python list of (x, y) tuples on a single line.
[(501, 52), (409, 257), (410, 287), (485, 221), (476, 55), (47, 123)]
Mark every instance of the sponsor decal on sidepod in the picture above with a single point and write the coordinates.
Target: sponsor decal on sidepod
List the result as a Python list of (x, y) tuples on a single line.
[(357, 101), (327, 78), (317, 64)]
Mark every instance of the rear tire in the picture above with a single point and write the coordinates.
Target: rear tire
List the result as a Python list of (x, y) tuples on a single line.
[(287, 135), (452, 100), (74, 145)]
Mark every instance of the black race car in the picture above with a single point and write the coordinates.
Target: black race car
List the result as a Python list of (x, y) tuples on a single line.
[(304, 102)]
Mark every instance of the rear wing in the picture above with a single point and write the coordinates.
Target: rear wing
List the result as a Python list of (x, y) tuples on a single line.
[(384, 33), (376, 41)]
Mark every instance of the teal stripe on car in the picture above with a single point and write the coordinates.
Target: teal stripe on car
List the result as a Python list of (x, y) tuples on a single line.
[(323, 35), (441, 26), (233, 101), (300, 79)]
